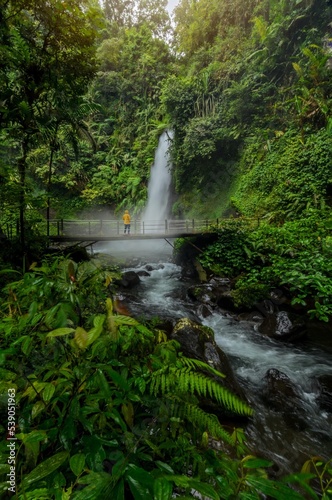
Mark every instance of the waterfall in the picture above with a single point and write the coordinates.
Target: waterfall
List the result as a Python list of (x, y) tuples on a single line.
[(157, 208)]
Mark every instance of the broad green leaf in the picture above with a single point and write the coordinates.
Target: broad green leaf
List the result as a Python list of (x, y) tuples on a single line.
[(37, 408), (104, 384), (45, 468), (273, 489), (255, 463), (164, 467), (48, 392), (128, 413), (76, 463), (125, 320), (100, 485), (60, 331), (81, 337), (205, 489), (32, 437), (95, 332), (162, 489)]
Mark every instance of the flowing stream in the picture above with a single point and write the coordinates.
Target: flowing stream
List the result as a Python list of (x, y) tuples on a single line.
[(270, 433), (286, 440)]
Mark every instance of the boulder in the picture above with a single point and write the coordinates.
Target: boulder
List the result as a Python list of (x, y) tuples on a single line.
[(266, 307), (197, 341), (283, 326), (143, 273), (211, 293), (129, 279), (280, 394)]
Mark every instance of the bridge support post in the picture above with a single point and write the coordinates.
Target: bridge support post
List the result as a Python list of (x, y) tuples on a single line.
[(117, 227), (166, 226), (143, 226)]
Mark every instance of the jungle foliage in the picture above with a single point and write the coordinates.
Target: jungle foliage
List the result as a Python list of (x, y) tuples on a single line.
[(109, 407), (85, 92), (246, 89)]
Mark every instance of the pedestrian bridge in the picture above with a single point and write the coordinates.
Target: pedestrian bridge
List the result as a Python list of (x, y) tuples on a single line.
[(61, 230)]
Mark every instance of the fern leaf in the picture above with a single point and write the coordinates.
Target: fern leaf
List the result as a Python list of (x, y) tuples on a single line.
[(196, 363)]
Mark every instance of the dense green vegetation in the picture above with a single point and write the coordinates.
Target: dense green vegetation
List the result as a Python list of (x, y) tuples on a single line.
[(85, 92), (107, 407)]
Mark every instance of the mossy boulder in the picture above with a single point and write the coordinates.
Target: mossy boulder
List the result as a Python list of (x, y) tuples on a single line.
[(197, 341)]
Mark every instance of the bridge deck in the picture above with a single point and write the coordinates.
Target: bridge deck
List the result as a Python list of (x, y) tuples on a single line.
[(120, 237)]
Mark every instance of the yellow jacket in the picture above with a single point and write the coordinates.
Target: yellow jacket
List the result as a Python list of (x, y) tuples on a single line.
[(126, 217)]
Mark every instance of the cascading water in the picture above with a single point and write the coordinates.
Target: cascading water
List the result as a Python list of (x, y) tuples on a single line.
[(288, 440), (157, 208), (162, 293)]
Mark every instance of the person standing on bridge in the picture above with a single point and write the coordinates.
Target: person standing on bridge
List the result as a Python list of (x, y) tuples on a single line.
[(126, 221)]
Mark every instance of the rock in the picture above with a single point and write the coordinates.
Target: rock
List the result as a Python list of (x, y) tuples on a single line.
[(325, 397), (283, 326), (226, 301), (251, 317), (202, 276), (281, 394), (266, 307), (197, 341), (143, 273), (204, 310), (277, 297), (215, 293), (129, 279)]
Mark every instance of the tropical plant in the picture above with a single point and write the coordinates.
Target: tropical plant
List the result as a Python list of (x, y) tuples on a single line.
[(107, 406)]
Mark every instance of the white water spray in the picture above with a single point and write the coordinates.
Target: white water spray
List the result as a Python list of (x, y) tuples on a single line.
[(157, 206)]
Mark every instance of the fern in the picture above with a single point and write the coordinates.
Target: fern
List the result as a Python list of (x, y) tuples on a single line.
[(202, 420), (196, 363), (184, 380)]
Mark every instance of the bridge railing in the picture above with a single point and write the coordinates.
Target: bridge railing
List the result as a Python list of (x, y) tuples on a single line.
[(113, 227)]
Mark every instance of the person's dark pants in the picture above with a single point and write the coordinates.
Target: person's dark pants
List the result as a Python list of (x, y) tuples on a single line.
[(127, 228)]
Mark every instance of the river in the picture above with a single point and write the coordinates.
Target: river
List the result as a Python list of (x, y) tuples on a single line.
[(270, 433)]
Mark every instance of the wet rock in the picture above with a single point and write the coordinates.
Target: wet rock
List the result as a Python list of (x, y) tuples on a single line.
[(277, 297), (251, 317), (266, 307), (143, 273), (215, 293), (325, 397), (226, 301), (154, 267), (280, 394), (129, 279), (204, 310), (197, 341), (283, 326)]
